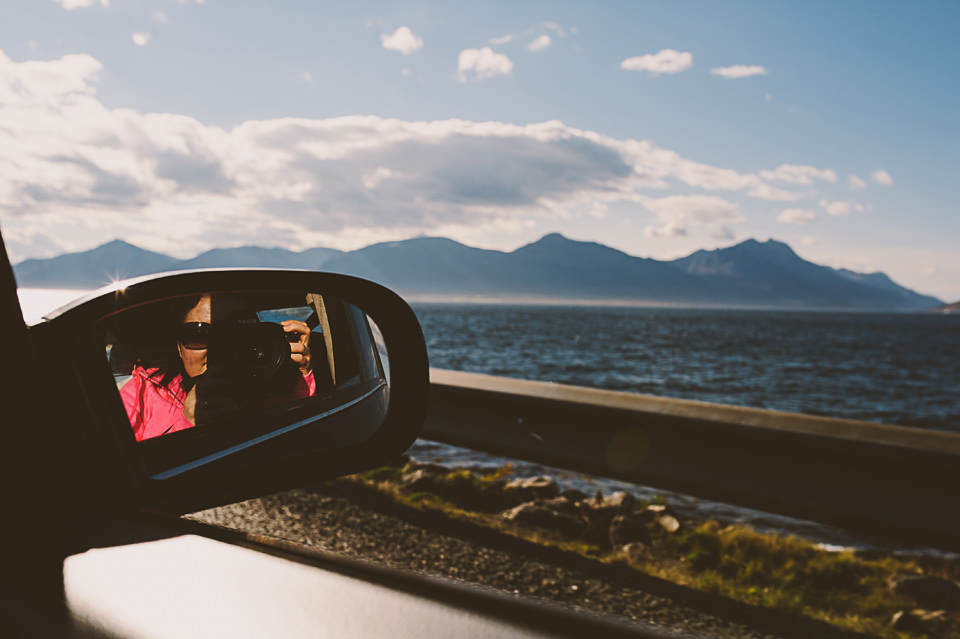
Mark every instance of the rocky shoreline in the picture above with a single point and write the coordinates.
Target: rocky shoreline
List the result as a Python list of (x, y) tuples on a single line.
[(614, 554)]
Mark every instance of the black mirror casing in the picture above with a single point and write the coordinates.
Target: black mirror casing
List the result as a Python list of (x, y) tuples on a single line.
[(67, 338)]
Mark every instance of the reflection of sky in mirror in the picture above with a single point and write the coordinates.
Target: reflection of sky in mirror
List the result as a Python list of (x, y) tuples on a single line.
[(299, 313)]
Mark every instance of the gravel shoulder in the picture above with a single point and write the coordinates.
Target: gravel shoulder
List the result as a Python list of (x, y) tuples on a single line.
[(340, 518)]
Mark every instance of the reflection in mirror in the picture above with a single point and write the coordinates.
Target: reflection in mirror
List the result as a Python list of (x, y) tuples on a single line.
[(237, 360)]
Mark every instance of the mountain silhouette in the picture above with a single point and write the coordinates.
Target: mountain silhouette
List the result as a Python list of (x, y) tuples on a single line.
[(254, 256), (554, 268), (773, 273), (111, 262), (118, 260)]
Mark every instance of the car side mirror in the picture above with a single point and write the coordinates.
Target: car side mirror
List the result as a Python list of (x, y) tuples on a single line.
[(215, 386)]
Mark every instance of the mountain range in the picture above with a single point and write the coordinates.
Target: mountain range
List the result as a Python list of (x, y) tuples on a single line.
[(749, 274)]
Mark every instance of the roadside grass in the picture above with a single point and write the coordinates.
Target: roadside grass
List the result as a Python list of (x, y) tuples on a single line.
[(784, 572)]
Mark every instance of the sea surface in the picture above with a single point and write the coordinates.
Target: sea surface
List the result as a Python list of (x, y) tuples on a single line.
[(891, 368)]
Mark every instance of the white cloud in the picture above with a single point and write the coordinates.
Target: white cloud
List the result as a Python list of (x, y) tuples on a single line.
[(838, 208), (842, 207), (678, 212), (70, 5), (403, 40), (306, 76), (405, 72), (670, 229), (480, 64), (768, 97), (799, 174), (739, 71), (557, 29), (539, 43), (808, 240), (373, 179), (665, 61), (161, 17), (881, 177), (85, 173), (140, 39), (796, 216), (857, 183), (598, 211), (502, 39)]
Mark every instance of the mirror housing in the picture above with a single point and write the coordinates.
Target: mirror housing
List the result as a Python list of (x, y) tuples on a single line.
[(290, 445)]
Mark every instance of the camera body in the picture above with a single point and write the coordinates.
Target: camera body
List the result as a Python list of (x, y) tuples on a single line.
[(255, 351), (248, 367)]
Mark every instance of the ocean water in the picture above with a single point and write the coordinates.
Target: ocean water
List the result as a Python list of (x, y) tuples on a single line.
[(891, 368)]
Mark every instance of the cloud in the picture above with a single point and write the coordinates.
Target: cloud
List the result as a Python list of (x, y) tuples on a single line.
[(857, 183), (306, 76), (402, 40), (87, 173), (70, 5), (768, 97), (502, 39), (799, 174), (539, 44), (665, 61), (480, 64), (373, 179), (842, 207), (738, 71), (797, 216), (161, 17), (839, 208), (670, 229), (678, 212), (141, 39), (557, 29), (881, 177)]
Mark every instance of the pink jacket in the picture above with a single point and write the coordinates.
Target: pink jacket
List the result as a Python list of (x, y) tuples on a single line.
[(154, 410)]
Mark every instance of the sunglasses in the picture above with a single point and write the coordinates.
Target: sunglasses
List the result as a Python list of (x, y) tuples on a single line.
[(194, 335)]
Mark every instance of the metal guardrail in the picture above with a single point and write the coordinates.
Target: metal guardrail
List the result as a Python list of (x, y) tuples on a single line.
[(888, 482)]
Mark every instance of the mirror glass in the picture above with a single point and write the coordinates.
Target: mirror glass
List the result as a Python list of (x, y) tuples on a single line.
[(221, 371)]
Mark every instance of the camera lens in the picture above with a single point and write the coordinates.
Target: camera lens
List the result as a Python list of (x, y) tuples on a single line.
[(263, 350)]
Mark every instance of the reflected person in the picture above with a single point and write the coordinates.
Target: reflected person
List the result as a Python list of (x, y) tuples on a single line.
[(163, 399)]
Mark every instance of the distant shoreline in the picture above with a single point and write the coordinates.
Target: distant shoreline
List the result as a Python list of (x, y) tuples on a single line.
[(43, 294), (641, 304)]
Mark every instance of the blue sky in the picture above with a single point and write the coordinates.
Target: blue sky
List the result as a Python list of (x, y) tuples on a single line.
[(654, 127)]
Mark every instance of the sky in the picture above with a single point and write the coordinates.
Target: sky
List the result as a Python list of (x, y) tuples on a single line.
[(657, 128)]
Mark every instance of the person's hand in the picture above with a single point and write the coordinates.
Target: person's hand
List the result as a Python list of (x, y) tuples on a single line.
[(299, 350), (190, 407)]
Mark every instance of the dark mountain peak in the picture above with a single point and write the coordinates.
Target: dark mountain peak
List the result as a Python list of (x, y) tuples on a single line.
[(117, 243), (554, 237), (119, 246), (770, 246), (424, 240), (557, 243)]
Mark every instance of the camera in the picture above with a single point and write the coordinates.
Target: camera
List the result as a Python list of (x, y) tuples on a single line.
[(248, 366)]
